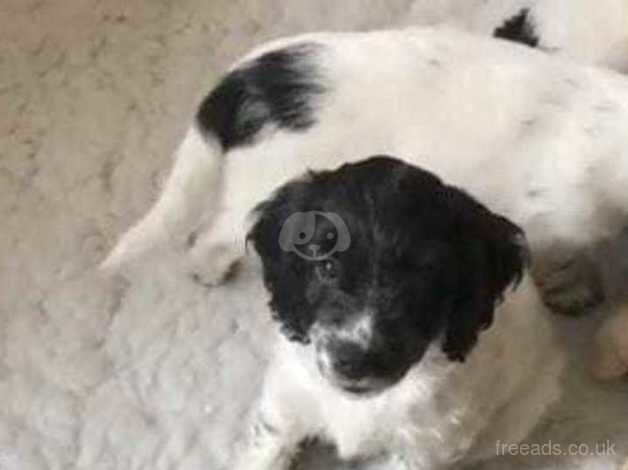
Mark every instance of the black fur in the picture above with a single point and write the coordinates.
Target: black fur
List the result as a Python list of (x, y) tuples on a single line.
[(518, 28), (428, 260), (276, 88)]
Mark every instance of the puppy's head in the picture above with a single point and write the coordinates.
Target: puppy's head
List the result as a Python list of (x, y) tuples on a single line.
[(390, 260)]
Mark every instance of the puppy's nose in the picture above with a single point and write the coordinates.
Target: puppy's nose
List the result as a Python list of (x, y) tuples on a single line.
[(350, 361)]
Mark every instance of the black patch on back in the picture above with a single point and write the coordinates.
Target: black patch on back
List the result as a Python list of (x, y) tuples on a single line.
[(276, 88), (518, 29)]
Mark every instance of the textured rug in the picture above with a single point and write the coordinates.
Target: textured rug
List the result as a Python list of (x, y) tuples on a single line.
[(150, 370)]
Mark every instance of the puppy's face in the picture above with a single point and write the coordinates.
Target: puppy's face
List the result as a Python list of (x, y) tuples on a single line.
[(418, 262)]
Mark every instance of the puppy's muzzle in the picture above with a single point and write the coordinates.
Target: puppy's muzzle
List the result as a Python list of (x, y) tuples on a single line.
[(350, 361)]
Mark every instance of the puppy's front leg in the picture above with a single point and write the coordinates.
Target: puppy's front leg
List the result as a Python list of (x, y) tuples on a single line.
[(280, 423), (269, 446), (217, 252)]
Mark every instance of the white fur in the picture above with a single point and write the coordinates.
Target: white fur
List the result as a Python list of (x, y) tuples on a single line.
[(442, 413), (610, 352), (593, 31)]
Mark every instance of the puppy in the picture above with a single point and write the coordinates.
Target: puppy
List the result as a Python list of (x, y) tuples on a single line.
[(421, 337)]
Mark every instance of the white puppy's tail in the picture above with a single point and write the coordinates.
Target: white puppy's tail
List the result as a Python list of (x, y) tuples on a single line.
[(187, 202)]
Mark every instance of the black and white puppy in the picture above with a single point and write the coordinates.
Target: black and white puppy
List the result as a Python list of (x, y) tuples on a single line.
[(383, 280)]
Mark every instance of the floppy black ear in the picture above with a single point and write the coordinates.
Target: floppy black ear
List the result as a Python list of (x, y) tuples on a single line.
[(494, 254), (282, 269)]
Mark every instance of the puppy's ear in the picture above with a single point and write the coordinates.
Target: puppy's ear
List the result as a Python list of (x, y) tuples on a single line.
[(282, 269), (494, 254)]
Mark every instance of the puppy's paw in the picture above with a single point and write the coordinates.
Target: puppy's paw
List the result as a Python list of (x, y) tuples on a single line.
[(571, 287), (149, 235), (215, 266), (610, 348), (128, 249)]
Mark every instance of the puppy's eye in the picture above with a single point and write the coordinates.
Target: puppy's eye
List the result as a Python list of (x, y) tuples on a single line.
[(327, 270)]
